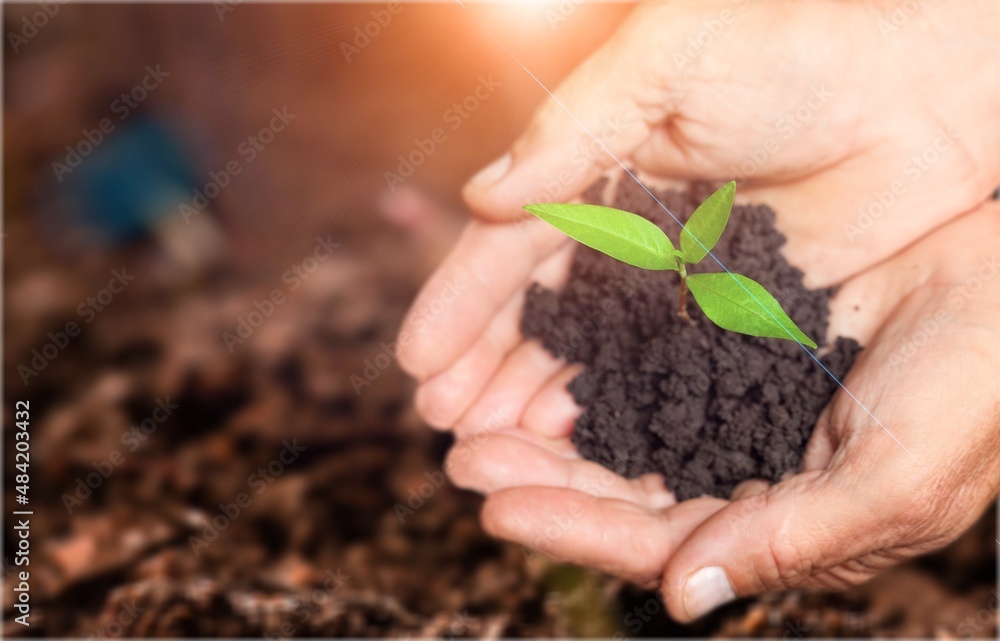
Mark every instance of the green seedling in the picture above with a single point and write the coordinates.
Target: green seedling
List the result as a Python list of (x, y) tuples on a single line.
[(731, 301)]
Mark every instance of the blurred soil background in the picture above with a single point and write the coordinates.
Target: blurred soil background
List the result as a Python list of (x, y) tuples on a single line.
[(195, 472)]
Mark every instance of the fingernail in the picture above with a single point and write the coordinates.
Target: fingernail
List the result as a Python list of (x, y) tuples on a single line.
[(492, 172), (707, 589)]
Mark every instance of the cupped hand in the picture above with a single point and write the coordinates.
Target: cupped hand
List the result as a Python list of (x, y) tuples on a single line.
[(864, 142), (862, 135), (901, 465)]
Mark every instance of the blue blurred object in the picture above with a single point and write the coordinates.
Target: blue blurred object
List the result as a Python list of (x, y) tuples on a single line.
[(136, 176)]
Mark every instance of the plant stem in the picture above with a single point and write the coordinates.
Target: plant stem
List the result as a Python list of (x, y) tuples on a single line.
[(682, 307)]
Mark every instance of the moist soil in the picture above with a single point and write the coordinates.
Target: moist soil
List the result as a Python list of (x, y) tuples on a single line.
[(705, 407)]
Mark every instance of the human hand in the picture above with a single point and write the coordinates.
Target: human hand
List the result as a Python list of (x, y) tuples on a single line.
[(776, 95), (868, 497), (505, 397), (706, 118)]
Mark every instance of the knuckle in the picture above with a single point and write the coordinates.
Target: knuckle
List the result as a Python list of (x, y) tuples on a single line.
[(788, 563)]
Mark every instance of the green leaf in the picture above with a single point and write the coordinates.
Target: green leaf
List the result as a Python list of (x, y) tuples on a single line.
[(750, 311), (630, 238), (707, 224)]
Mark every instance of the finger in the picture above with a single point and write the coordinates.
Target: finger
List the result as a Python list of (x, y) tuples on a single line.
[(512, 458), (552, 411), (618, 537), (797, 534), (606, 105), (750, 488), (446, 397), (523, 372), (467, 291)]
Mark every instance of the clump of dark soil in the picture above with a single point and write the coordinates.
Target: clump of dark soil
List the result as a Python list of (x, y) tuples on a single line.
[(705, 407)]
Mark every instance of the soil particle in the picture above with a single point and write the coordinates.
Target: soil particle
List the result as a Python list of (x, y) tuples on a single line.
[(705, 407)]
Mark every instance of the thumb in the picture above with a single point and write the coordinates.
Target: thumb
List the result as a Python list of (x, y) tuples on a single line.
[(608, 104), (798, 534)]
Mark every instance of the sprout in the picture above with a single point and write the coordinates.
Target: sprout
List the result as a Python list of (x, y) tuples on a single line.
[(731, 301)]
